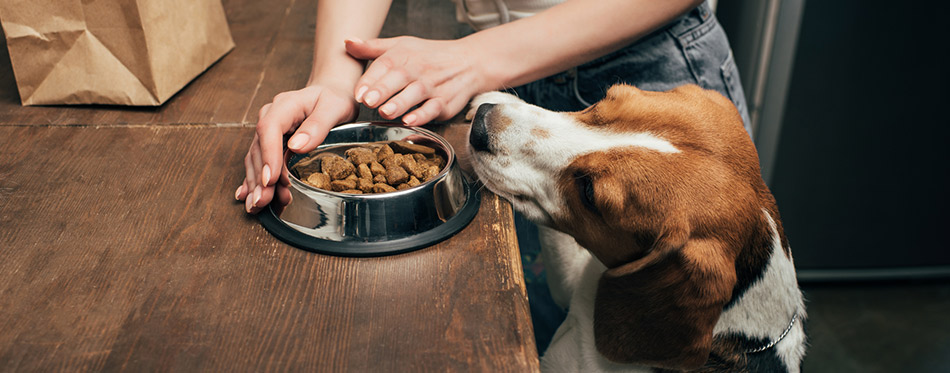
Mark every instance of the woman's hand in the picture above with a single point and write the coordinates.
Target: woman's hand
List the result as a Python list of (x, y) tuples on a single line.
[(308, 114), (440, 75)]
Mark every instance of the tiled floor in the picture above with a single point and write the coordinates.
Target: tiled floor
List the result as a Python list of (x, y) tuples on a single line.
[(878, 327)]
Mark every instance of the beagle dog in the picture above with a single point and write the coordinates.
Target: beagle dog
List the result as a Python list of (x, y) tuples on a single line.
[(658, 234)]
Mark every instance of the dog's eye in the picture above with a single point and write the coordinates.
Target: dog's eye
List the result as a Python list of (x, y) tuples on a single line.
[(585, 190)]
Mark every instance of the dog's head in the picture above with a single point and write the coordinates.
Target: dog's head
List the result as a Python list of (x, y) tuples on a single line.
[(662, 187)]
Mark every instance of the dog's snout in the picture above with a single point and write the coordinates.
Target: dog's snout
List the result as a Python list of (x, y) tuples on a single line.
[(478, 137)]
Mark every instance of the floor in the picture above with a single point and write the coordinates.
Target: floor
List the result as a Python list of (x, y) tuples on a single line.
[(893, 326), (878, 327)]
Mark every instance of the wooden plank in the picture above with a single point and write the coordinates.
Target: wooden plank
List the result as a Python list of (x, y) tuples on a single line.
[(122, 248), (222, 94)]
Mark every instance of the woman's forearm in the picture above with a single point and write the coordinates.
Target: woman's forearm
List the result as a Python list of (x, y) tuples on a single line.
[(338, 20), (567, 35)]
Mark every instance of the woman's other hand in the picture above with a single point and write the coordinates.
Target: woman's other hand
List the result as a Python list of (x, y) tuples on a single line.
[(440, 76)]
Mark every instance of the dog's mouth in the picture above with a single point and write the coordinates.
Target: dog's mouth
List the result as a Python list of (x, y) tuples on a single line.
[(522, 203)]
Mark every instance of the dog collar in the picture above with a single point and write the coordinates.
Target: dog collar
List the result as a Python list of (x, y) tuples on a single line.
[(777, 340)]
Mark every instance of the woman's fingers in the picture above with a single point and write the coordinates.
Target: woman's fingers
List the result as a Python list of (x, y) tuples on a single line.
[(328, 111), (368, 50), (250, 178), (394, 80), (386, 76), (287, 111), (259, 199), (429, 111), (283, 195), (414, 93), (247, 186), (431, 75)]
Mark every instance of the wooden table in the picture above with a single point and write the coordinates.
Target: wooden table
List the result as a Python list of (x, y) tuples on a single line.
[(122, 248)]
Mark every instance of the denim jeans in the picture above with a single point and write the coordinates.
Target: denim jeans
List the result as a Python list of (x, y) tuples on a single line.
[(692, 49)]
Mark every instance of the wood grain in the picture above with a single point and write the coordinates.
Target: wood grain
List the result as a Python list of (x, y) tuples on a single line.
[(122, 249)]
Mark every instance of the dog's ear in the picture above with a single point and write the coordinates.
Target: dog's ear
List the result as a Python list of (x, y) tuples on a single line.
[(660, 310)]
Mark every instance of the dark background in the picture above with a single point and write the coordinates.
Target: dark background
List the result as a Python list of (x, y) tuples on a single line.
[(860, 173), (861, 176)]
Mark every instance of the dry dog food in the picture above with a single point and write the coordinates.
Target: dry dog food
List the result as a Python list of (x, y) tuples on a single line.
[(377, 167)]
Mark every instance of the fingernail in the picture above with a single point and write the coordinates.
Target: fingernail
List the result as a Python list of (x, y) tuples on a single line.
[(360, 92), (257, 195), (352, 40), (388, 109), (371, 98), (298, 141), (247, 204), (409, 119), (237, 193), (265, 175)]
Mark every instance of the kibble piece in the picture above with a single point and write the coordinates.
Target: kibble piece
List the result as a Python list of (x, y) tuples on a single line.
[(416, 169), (307, 166), (413, 181), (381, 178), (437, 160), (376, 168), (408, 161), (352, 176), (341, 185), (360, 155), (403, 186), (396, 176), (382, 188), (384, 152), (364, 172), (319, 180), (394, 160), (352, 191), (430, 172), (406, 147), (337, 167), (365, 184)]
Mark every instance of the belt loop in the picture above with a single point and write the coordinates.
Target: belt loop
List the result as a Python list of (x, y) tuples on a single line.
[(704, 11)]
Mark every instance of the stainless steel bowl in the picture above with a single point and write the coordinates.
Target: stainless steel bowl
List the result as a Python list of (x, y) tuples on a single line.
[(375, 224)]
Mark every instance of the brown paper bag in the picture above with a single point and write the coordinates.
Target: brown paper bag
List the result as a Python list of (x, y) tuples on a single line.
[(125, 52)]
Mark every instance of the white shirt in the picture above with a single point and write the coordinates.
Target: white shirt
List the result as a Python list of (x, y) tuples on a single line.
[(482, 14)]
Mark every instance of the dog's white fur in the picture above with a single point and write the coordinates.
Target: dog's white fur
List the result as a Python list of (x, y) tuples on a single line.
[(515, 173)]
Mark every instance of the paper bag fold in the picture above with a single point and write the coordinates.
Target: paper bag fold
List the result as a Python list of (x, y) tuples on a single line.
[(123, 52)]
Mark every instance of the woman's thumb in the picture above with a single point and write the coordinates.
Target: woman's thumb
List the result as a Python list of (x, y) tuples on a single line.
[(364, 50)]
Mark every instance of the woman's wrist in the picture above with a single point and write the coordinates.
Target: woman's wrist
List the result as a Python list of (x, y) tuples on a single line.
[(488, 63), (340, 74)]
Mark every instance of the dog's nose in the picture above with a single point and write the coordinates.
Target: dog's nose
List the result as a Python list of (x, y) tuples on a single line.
[(478, 137)]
